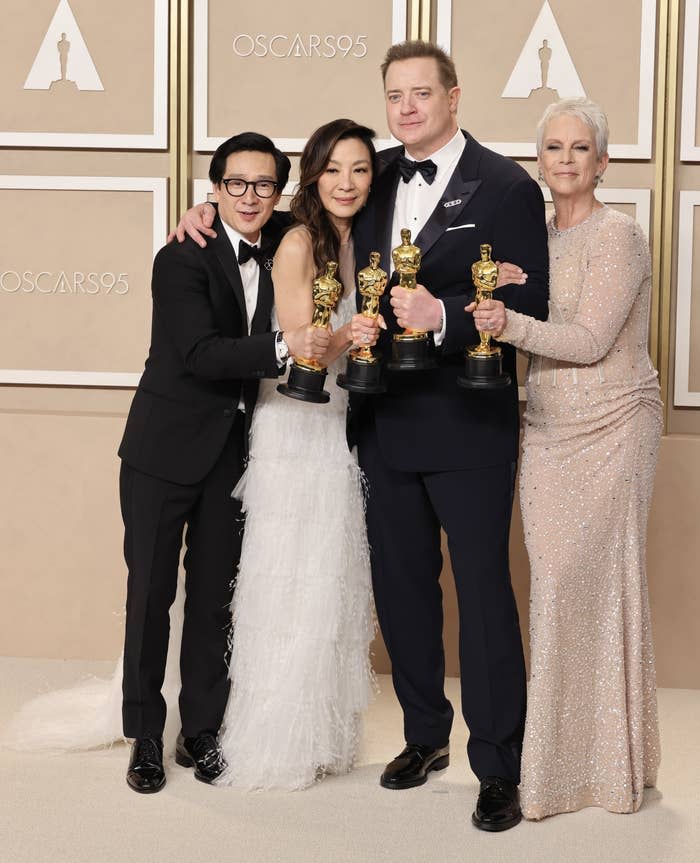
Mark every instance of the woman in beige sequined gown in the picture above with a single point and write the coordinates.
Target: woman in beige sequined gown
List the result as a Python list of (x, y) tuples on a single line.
[(592, 429)]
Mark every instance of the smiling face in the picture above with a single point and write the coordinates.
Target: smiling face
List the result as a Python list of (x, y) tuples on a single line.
[(569, 161), (249, 213), (420, 112), (344, 186)]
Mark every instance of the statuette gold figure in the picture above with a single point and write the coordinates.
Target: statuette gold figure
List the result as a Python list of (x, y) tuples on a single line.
[(371, 283), (307, 375), (485, 278), (364, 372), (484, 361), (410, 348)]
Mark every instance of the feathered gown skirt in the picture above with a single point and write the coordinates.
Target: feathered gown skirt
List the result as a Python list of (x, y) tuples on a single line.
[(302, 611), (88, 715)]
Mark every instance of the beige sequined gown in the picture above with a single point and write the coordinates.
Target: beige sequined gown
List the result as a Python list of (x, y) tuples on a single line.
[(592, 430)]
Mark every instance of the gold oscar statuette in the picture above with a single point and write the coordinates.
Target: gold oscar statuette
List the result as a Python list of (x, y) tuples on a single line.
[(411, 349), (484, 361), (307, 375), (364, 369)]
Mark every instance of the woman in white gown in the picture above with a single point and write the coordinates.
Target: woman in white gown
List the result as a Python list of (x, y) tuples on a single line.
[(302, 618), (302, 609)]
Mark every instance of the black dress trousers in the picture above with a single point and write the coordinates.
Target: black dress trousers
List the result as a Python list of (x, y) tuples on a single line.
[(405, 512), (155, 513)]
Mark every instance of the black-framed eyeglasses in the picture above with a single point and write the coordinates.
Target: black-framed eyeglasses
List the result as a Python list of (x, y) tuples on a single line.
[(262, 188)]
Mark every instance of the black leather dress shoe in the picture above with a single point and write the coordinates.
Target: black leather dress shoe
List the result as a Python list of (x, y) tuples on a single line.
[(202, 753), (412, 766), (145, 773), (498, 807)]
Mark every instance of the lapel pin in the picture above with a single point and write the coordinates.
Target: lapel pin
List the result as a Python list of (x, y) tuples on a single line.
[(268, 264), (452, 203)]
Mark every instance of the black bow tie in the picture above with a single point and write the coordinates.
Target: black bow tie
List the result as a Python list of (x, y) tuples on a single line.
[(408, 168), (246, 252)]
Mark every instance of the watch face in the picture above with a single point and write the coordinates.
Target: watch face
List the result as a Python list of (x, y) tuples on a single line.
[(282, 346)]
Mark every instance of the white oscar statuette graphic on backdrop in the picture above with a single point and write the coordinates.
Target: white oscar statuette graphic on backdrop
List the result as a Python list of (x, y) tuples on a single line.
[(545, 64), (63, 60)]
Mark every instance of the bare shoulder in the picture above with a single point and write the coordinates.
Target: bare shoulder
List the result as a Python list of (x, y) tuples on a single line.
[(294, 256), (296, 242)]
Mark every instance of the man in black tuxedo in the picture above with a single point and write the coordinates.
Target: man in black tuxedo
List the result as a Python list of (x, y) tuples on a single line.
[(439, 456), (184, 448)]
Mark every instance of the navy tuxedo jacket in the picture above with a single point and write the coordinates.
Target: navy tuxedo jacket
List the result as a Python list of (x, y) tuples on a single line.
[(201, 359), (425, 422)]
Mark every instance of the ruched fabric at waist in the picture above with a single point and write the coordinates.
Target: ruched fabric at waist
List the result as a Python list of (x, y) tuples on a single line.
[(559, 413)]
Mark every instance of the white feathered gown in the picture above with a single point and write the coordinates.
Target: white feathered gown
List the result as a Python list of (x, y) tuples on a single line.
[(302, 614)]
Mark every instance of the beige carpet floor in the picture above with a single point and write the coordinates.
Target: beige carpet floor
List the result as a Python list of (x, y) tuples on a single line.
[(77, 808)]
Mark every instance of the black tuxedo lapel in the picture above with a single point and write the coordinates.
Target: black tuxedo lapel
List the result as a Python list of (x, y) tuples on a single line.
[(458, 193), (270, 239), (229, 263), (261, 319), (385, 200)]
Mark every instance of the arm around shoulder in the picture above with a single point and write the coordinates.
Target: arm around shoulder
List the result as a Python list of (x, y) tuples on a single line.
[(182, 304)]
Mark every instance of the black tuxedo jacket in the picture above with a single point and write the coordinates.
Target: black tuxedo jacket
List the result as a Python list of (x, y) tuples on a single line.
[(425, 422), (201, 358)]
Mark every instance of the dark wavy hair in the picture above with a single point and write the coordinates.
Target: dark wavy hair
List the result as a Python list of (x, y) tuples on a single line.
[(306, 206)]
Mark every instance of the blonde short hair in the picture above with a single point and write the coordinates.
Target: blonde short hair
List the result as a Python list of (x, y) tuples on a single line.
[(586, 110)]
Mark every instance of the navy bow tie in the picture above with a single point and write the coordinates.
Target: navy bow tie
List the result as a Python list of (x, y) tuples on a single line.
[(246, 252), (408, 168)]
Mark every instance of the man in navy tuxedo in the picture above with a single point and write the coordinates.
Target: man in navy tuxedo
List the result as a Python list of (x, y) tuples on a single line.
[(439, 456)]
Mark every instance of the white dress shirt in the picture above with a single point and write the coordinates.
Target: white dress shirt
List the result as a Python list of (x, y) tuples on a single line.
[(416, 200)]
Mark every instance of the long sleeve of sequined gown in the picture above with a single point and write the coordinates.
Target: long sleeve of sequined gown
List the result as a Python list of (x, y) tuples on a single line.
[(592, 430)]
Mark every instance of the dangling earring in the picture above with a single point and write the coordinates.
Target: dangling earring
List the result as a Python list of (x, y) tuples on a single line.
[(540, 175), (598, 179)]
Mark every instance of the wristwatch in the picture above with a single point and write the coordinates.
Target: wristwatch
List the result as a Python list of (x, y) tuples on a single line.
[(281, 348)]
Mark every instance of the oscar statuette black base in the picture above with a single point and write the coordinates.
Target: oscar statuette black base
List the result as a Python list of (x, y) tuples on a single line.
[(362, 377), (484, 373), (409, 354), (305, 385)]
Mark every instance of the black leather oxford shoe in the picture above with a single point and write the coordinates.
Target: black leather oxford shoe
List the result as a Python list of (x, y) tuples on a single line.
[(412, 766), (145, 773), (498, 807), (202, 753)]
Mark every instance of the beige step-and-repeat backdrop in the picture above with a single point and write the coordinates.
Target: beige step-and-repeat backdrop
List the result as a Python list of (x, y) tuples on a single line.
[(109, 114)]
